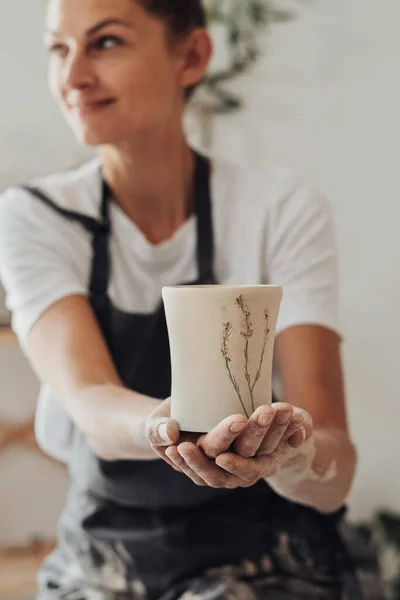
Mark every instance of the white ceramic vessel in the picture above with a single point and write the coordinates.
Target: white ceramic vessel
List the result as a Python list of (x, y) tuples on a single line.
[(222, 342)]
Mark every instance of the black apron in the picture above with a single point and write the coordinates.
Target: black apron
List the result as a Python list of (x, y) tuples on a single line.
[(139, 346), (155, 523)]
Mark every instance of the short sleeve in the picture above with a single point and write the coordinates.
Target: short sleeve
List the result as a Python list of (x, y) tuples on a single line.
[(302, 258), (40, 258)]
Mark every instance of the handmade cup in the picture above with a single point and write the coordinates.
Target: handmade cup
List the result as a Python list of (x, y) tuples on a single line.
[(222, 342)]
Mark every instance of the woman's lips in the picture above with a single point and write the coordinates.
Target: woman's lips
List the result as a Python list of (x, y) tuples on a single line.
[(93, 106)]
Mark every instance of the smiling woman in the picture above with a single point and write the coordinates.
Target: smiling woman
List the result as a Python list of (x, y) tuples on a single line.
[(251, 508), (127, 66)]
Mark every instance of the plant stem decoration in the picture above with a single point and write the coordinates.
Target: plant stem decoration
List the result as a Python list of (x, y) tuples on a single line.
[(247, 333)]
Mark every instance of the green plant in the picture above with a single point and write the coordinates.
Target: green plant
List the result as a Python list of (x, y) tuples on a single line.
[(244, 21)]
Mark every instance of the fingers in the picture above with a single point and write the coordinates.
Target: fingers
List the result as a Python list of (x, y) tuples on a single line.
[(179, 462), (271, 425), (202, 470), (248, 442), (219, 439), (249, 469), (161, 430), (278, 427), (300, 428), (257, 441)]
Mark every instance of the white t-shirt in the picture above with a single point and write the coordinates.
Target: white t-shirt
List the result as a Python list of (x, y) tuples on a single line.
[(269, 227)]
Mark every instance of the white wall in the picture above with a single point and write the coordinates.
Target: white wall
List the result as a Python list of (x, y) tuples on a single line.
[(32, 488), (33, 137), (324, 101), (33, 141)]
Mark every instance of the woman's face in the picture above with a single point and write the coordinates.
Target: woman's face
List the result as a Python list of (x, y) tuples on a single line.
[(113, 72)]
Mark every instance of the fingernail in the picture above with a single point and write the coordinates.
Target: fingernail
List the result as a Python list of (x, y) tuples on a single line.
[(163, 433), (297, 419), (282, 417), (238, 427), (263, 420), (303, 433)]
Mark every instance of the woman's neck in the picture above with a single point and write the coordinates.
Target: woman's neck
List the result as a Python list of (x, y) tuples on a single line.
[(152, 183)]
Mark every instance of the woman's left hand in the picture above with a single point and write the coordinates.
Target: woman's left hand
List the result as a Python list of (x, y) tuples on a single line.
[(273, 435)]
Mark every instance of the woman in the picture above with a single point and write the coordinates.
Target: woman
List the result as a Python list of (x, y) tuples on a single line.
[(250, 509)]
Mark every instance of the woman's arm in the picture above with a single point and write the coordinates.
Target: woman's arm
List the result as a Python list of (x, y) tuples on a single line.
[(311, 465), (320, 473), (44, 267), (68, 352)]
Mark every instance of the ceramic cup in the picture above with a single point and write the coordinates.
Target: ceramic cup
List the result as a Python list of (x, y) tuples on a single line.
[(222, 341)]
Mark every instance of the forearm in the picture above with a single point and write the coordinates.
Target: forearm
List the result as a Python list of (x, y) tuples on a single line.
[(82, 374), (320, 474), (113, 419)]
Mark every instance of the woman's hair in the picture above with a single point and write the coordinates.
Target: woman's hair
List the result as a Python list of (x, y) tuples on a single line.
[(180, 17)]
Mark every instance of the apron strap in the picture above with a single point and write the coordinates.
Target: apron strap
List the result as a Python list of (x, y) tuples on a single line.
[(100, 273), (203, 207), (91, 224), (99, 230)]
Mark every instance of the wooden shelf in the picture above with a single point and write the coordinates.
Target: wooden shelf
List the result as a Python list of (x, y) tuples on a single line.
[(19, 567), (7, 337), (22, 435)]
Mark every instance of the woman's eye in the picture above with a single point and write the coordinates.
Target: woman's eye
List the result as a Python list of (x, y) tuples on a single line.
[(107, 42), (59, 50)]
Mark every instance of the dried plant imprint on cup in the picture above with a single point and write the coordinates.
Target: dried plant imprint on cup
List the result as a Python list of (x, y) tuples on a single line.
[(247, 333)]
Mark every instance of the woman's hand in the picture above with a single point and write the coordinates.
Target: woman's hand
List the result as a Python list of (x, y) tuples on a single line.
[(162, 431), (167, 440), (275, 435), (309, 465), (237, 452), (278, 427)]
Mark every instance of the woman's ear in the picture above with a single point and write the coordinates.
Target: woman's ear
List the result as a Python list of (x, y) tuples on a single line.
[(196, 52)]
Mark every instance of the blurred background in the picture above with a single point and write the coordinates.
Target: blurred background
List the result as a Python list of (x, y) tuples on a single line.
[(310, 85)]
